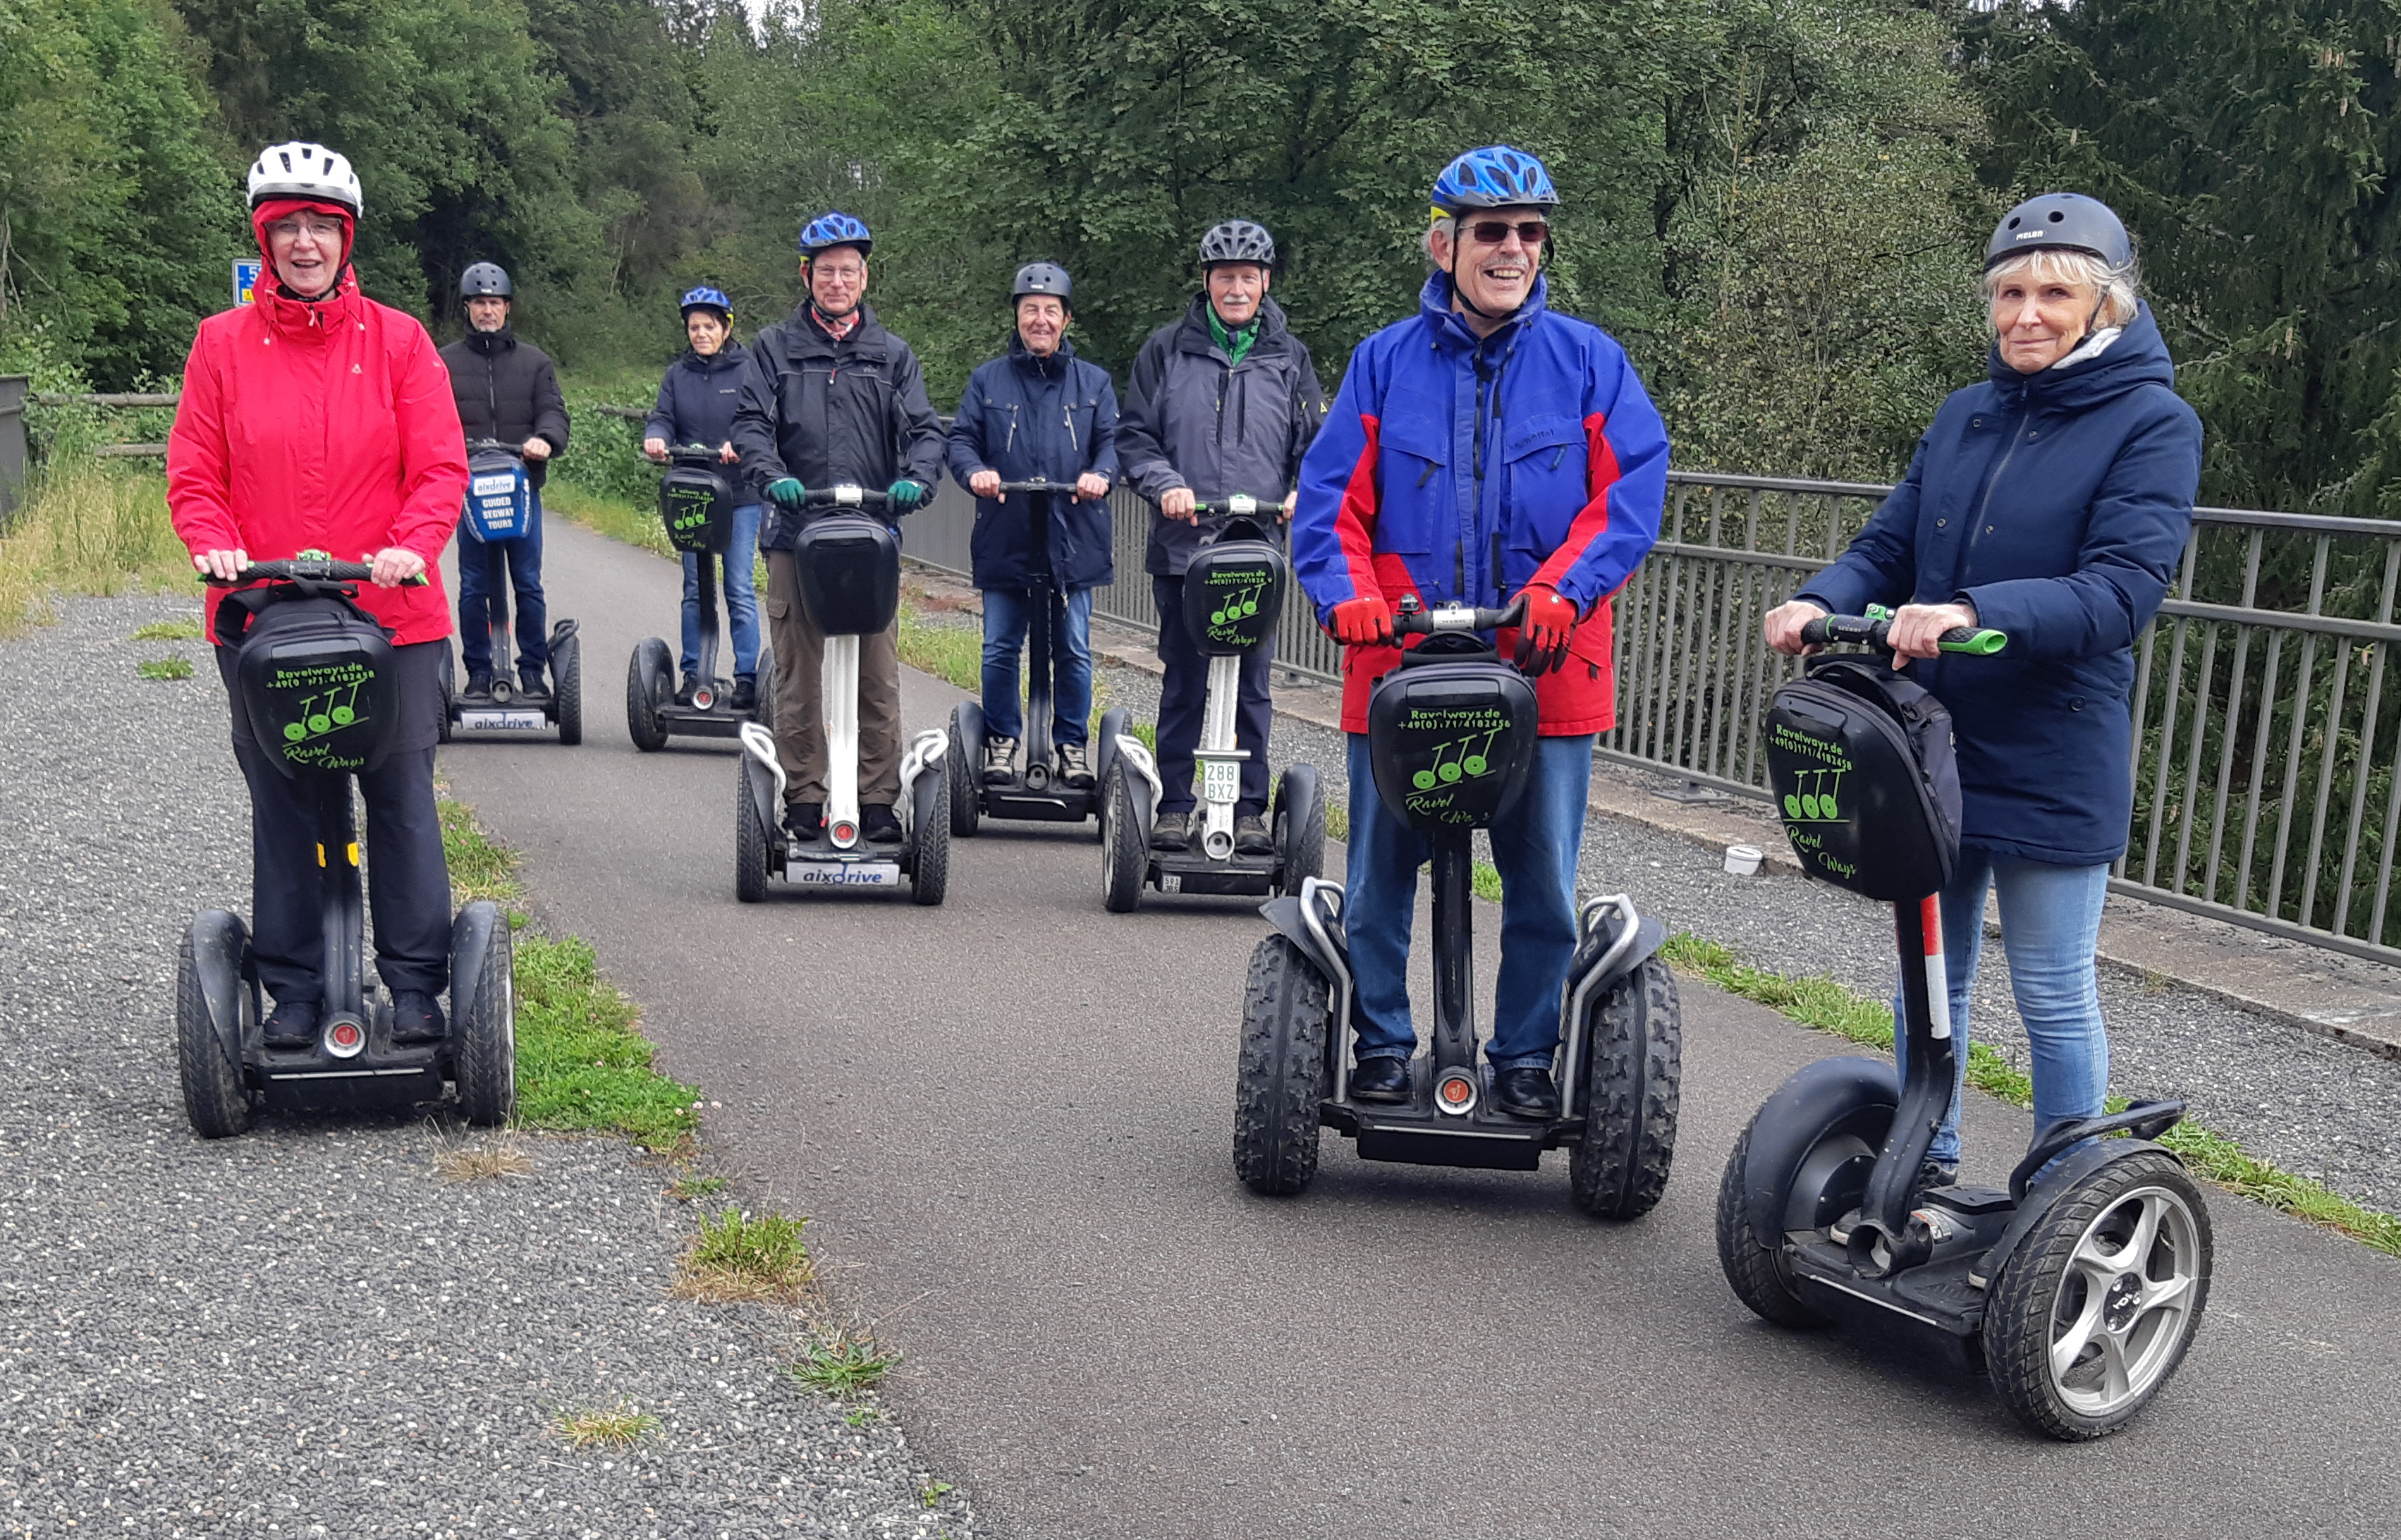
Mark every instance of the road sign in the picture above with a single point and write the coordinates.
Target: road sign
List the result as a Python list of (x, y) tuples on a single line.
[(245, 281)]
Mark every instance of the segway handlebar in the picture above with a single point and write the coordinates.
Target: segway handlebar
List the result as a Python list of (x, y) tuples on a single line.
[(1873, 628), (1411, 620), (1237, 505), (310, 570), (844, 496), (1039, 484), (489, 446)]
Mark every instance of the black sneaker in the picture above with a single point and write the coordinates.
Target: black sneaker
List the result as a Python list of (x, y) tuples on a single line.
[(416, 1018), (746, 692), (999, 761), (879, 825), (1173, 831), (685, 691), (292, 1025), (1526, 1093), (804, 821), (1934, 1173), (1074, 768), (1383, 1079), (1251, 837), (530, 682), (479, 684)]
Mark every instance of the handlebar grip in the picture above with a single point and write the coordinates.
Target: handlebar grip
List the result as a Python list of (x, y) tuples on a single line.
[(1425, 622), (844, 497), (311, 570), (1224, 506), (1863, 631)]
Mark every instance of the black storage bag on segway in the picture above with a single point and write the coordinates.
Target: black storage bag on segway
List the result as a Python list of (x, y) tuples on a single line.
[(1452, 740), (1234, 592), (1866, 779), (314, 680), (850, 574), (697, 507)]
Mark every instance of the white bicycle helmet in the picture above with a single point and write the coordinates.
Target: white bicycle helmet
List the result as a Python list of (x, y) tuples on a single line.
[(302, 170)]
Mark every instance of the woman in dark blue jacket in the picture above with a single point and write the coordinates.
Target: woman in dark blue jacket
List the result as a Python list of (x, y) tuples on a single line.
[(1038, 411), (2052, 502), (695, 405)]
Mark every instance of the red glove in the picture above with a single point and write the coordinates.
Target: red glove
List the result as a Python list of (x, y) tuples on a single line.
[(1364, 621), (1542, 635)]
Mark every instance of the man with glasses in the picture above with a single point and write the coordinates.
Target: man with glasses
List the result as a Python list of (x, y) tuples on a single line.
[(830, 398), (1485, 449)]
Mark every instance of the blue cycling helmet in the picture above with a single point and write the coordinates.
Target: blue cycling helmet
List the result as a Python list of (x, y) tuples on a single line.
[(707, 298), (835, 229), (1494, 177), (2061, 221)]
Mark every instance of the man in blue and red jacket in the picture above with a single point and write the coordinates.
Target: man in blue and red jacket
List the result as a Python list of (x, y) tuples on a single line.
[(1484, 448)]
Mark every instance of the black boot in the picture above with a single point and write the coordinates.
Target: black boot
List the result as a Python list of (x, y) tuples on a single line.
[(416, 1018), (804, 821), (292, 1025), (879, 825), (1526, 1093), (745, 693), (1383, 1079)]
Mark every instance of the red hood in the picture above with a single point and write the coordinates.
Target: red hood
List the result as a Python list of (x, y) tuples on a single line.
[(300, 315)]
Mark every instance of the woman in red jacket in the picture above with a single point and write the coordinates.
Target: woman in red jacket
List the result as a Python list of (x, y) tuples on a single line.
[(316, 419)]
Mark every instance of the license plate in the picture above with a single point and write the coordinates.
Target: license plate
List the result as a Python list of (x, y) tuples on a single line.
[(1170, 882), (1221, 780), (843, 873), (502, 718)]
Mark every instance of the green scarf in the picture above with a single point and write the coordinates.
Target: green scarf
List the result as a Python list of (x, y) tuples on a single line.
[(1236, 343)]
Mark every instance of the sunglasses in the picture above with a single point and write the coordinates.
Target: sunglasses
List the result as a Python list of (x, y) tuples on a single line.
[(1492, 232)]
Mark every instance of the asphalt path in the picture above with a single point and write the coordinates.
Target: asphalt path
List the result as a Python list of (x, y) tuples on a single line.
[(1010, 1118)]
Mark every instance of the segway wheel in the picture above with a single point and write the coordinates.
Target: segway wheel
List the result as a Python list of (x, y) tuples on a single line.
[(1303, 849), (484, 1064), (214, 1097), (646, 672), (449, 676), (749, 840), (1754, 1264), (765, 712), (1280, 1077), (1636, 1041), (2094, 1309), (1124, 862), (966, 814), (566, 683), (929, 879)]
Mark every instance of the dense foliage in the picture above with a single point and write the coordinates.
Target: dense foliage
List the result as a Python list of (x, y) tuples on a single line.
[(1776, 204)]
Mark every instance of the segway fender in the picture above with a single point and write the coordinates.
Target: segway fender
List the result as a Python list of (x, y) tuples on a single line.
[(1104, 746), (1284, 914), (1125, 746), (766, 791), (1804, 1110), (969, 714), (220, 942), (925, 752), (471, 937), (2063, 1174)]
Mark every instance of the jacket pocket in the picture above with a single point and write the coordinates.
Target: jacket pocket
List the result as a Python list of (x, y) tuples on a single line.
[(1549, 483), (1413, 460)]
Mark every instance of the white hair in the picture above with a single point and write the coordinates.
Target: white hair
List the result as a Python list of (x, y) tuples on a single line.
[(1448, 228), (2119, 287)]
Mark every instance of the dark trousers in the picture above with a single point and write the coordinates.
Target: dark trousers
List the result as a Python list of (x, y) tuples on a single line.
[(409, 882), (482, 569), (1183, 698)]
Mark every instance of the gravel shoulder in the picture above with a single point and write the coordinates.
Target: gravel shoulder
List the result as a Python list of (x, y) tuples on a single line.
[(310, 1330)]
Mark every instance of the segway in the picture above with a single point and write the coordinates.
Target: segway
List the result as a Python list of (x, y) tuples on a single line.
[(696, 506), (2082, 1279), (314, 680), (1233, 594), (1451, 736), (499, 508), (849, 568), (1034, 793)]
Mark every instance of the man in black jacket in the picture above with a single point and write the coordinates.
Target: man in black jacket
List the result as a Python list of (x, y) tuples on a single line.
[(830, 398), (1038, 412), (508, 391), (1223, 402)]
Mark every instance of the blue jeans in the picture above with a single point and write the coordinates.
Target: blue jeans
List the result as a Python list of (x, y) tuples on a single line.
[(1534, 848), (482, 569), (1007, 613), (741, 596), (2050, 922)]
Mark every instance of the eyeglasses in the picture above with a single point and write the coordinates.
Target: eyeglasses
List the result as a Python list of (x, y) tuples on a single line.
[(1492, 232)]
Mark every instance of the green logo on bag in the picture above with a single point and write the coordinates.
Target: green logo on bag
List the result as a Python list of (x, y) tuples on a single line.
[(1459, 758), (1813, 797), (1235, 598), (328, 702)]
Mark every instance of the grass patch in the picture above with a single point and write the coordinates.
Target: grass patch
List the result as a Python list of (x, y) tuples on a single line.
[(164, 668), (611, 1427), (483, 1162), (613, 516), (187, 629), (582, 1062), (1487, 879), (1832, 1006), (736, 1257), (689, 1190), (952, 653), (842, 1366), (86, 527)]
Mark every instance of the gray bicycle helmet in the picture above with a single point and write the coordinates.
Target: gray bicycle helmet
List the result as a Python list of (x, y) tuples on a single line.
[(484, 280), (2061, 221), (1042, 278), (1237, 241)]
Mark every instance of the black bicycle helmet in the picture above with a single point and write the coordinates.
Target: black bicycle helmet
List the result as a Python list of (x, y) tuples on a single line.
[(1042, 278), (1237, 241), (484, 280), (2061, 221)]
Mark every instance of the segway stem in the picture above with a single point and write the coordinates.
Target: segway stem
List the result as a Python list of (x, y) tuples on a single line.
[(1454, 952), (1217, 745), (337, 860), (1038, 693), (1933, 1065), (838, 684)]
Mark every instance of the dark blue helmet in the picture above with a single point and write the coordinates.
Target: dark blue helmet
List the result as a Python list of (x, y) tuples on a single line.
[(835, 229), (2061, 221), (484, 280), (1493, 177), (1042, 278), (707, 298)]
